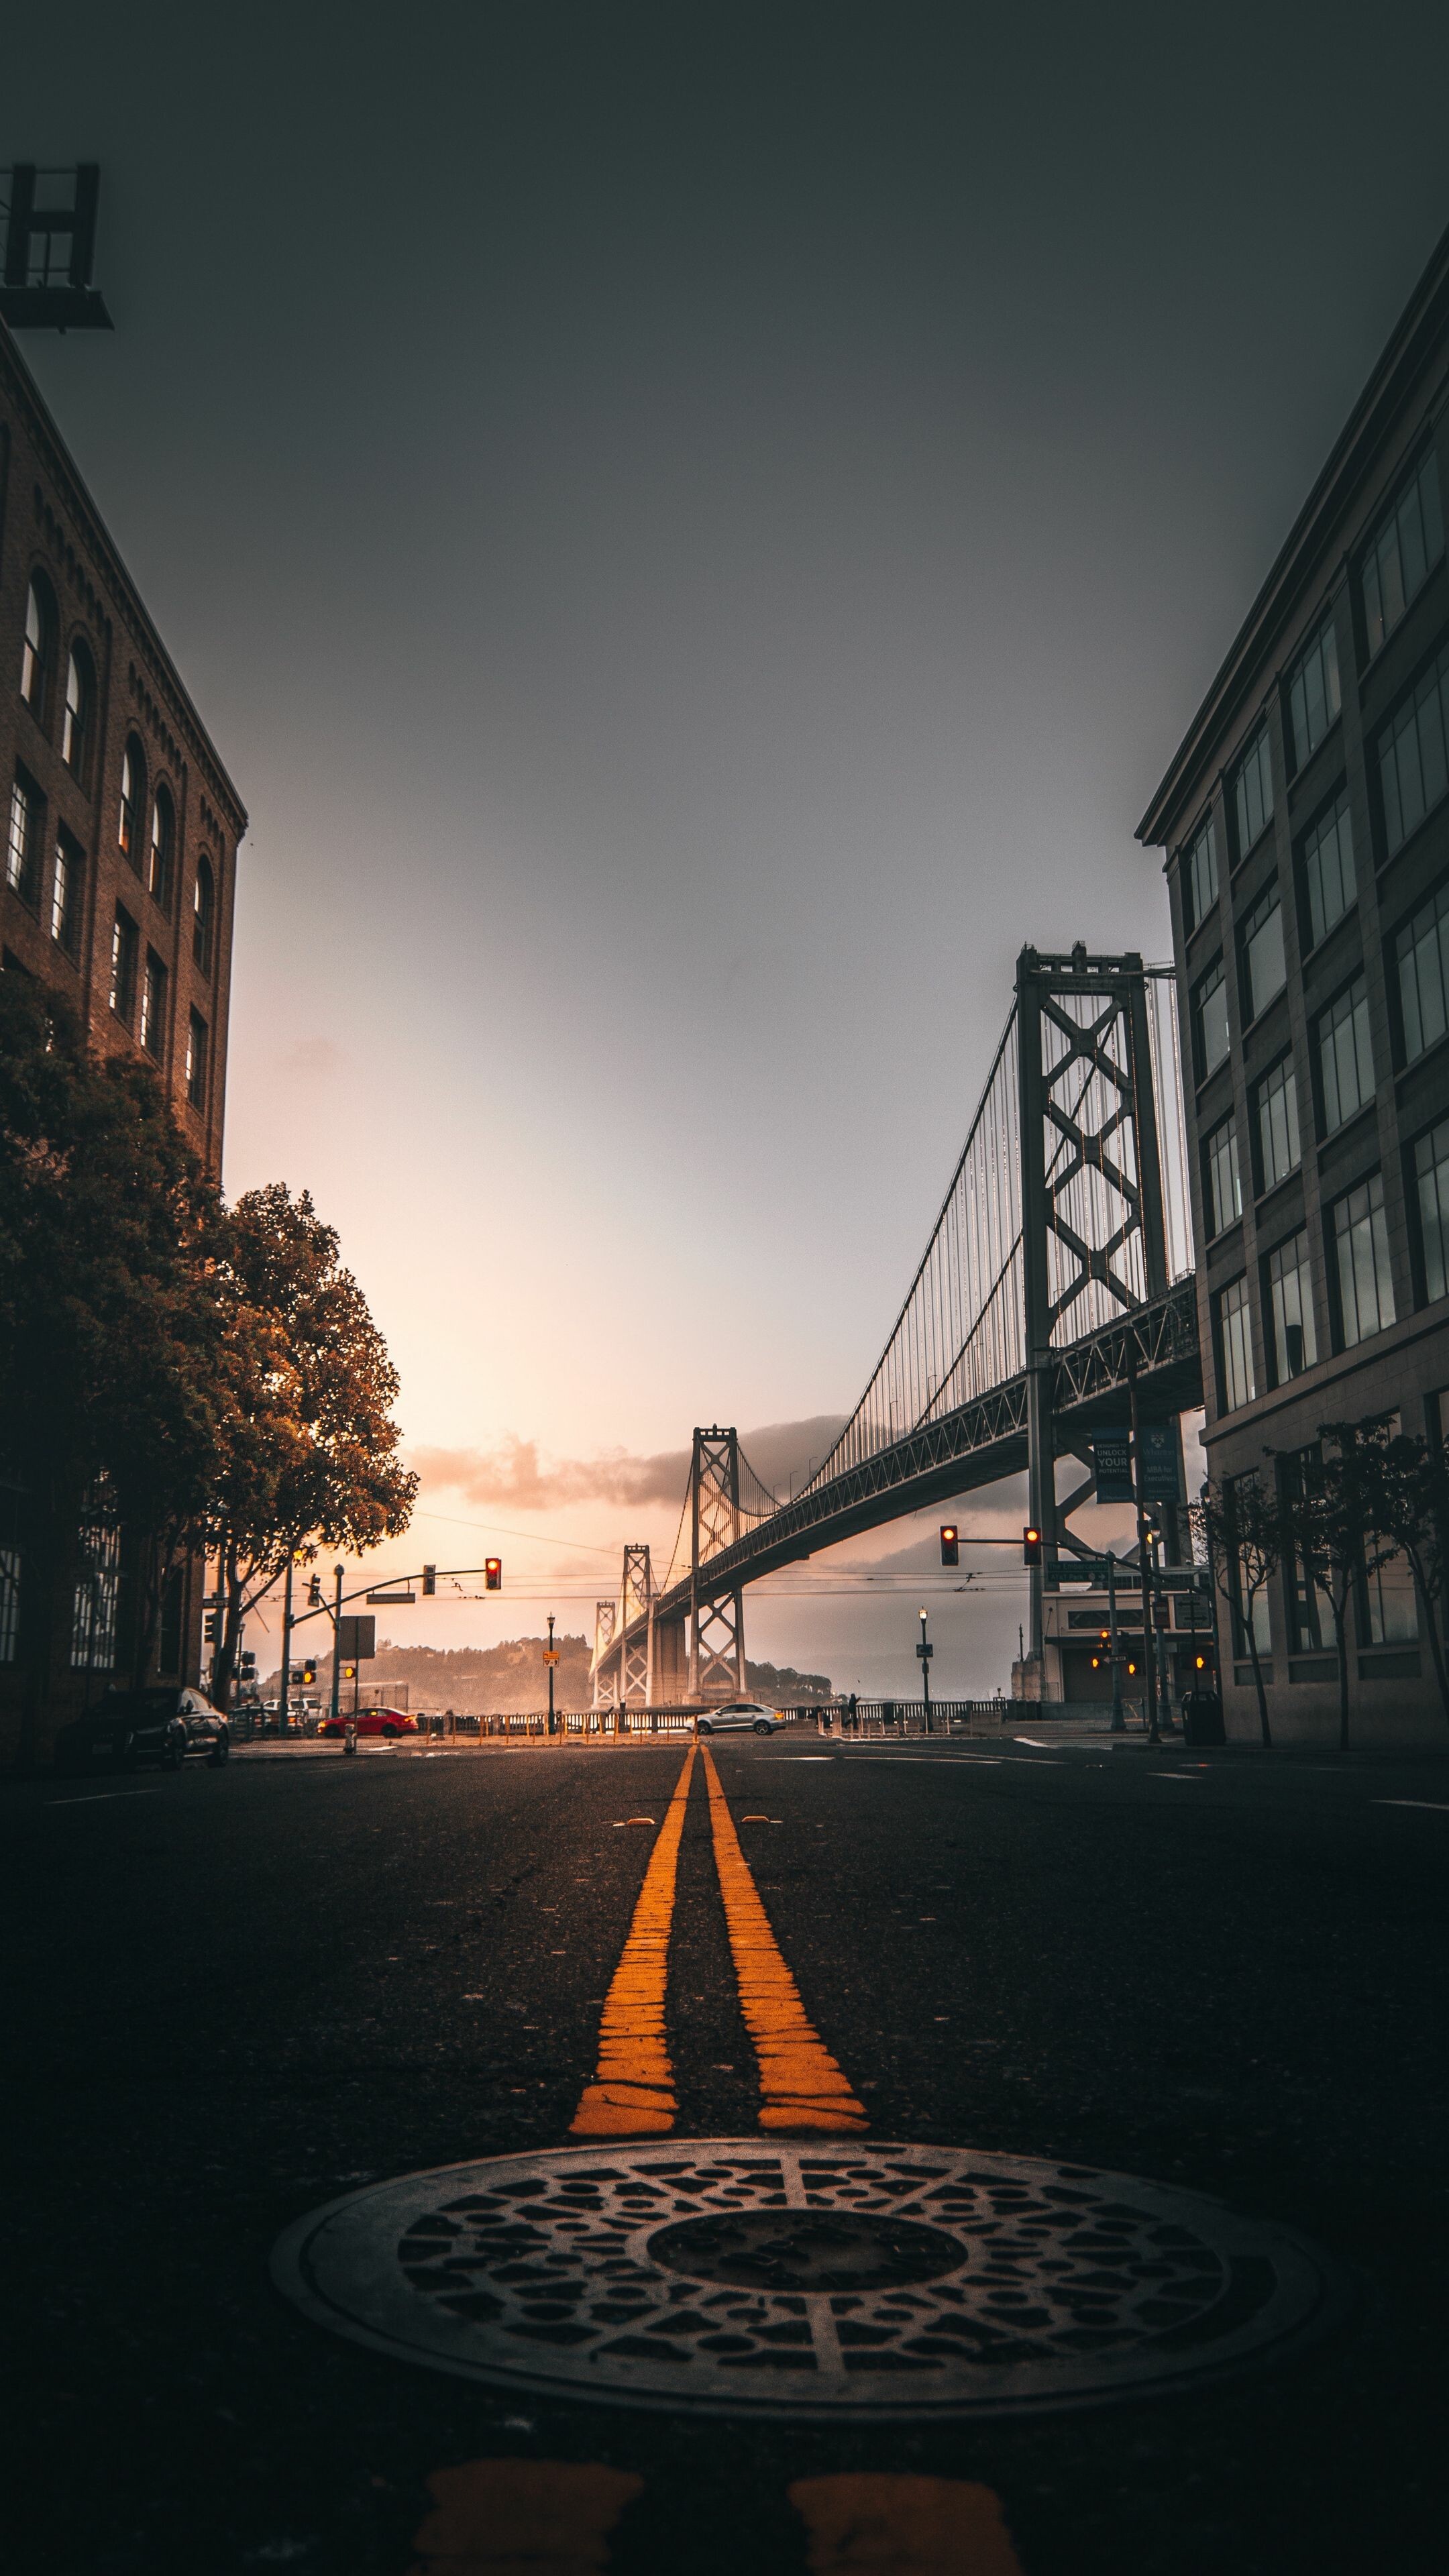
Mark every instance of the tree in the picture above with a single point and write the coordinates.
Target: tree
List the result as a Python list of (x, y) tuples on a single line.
[(307, 1444), (110, 1327), (1337, 1510), (1414, 1507), (1241, 1527)]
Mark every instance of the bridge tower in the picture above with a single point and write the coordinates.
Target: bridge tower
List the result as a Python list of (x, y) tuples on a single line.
[(606, 1672), (717, 1623), (1092, 1224), (636, 1657)]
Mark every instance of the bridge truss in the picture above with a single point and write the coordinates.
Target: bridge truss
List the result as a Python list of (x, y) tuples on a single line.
[(1059, 1270)]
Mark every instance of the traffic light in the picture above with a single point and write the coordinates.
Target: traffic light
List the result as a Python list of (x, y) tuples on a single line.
[(950, 1547), (314, 1593), (349, 1672), (430, 1578), (1031, 1546), (211, 1628), (246, 1664), (492, 1573), (309, 1675)]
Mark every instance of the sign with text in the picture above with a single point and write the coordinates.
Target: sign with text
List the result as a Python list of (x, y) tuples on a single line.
[(357, 1639), (1112, 1465), (1157, 1462)]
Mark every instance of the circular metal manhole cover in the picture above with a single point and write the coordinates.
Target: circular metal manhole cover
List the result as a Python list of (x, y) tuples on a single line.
[(850, 2279)]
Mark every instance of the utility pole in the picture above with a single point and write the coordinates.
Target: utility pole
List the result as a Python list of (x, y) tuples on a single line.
[(286, 1645), (337, 1648), (550, 1659), (1144, 1564), (926, 1650), (1119, 1722)]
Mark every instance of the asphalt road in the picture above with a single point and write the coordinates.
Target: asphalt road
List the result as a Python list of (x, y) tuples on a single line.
[(231, 1996)]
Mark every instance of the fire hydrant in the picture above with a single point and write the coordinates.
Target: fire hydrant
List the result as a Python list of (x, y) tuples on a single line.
[(349, 1739)]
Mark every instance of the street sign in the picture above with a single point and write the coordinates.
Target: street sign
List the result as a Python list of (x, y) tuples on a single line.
[(1112, 1465), (550, 1654), (391, 1600), (925, 1652), (1093, 1570), (357, 1639)]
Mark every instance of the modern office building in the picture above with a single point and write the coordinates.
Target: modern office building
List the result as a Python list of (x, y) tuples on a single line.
[(120, 865), (1305, 822)]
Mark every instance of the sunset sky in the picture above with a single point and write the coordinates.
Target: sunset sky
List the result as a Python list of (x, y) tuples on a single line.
[(696, 532)]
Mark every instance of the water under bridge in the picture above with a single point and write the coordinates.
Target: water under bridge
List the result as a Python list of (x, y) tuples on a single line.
[(1058, 1275)]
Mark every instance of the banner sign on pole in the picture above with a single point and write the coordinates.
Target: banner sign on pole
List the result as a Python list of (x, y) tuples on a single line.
[(1112, 1465), (1157, 1462)]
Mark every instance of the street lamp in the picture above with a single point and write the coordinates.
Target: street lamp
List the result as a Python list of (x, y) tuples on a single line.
[(550, 1658), (926, 1650)]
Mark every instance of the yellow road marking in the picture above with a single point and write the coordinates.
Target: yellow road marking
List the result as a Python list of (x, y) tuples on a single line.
[(632, 2093), (802, 2086), (874, 2525), (521, 2518)]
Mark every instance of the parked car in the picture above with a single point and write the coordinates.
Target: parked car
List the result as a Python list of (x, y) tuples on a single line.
[(747, 1715), (161, 1723), (372, 1721)]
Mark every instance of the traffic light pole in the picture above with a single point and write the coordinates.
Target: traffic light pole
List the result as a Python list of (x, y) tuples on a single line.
[(337, 1648), (926, 1650), (282, 1710), (1119, 1722)]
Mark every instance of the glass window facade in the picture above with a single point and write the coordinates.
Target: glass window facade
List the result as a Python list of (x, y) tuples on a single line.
[(1265, 969), (65, 894), (1200, 874), (1422, 954), (1290, 1301), (1345, 1056), (133, 789), (1310, 1612), (125, 947), (76, 729), (1361, 1246), (1235, 1342), (163, 844), (1210, 1020), (1253, 790), (196, 1061), (1224, 1190), (1413, 762), (1247, 1605), (153, 1006), (1431, 1183), (1329, 880), (1279, 1147), (38, 646), (22, 847), (1313, 693), (1390, 1608), (1402, 553)]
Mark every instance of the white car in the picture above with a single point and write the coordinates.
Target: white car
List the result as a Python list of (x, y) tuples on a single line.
[(747, 1715)]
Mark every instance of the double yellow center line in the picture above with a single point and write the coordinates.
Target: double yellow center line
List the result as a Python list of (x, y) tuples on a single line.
[(632, 2093)]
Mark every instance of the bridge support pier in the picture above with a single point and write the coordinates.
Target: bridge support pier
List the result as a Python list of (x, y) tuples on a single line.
[(636, 1658), (716, 1624)]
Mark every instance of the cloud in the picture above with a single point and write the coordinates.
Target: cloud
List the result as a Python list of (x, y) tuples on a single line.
[(513, 1475)]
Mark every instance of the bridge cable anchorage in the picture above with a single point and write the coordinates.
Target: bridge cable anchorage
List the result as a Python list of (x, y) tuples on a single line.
[(1062, 1246)]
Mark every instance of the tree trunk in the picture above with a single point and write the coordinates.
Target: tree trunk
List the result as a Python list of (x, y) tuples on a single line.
[(1340, 1630), (229, 1647), (1257, 1663)]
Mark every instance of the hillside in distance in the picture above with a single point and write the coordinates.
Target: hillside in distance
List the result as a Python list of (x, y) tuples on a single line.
[(504, 1680)]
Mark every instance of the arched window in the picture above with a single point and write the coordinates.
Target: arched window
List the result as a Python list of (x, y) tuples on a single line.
[(163, 846), (80, 697), (133, 799), (37, 658), (203, 914)]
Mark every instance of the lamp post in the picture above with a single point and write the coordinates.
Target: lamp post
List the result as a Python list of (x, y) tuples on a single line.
[(550, 1658), (926, 1650), (1119, 1722), (282, 1713), (337, 1647)]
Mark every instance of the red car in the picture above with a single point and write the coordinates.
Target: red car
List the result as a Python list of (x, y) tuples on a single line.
[(372, 1721)]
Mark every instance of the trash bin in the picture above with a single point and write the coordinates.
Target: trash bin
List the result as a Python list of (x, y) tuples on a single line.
[(1202, 1718)]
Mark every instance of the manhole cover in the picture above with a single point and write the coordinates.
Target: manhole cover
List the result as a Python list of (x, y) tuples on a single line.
[(865, 2280)]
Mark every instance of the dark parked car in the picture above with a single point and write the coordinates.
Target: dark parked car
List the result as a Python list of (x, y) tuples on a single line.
[(161, 1724)]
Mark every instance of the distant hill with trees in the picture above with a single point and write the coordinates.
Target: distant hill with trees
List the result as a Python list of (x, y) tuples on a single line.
[(504, 1680)]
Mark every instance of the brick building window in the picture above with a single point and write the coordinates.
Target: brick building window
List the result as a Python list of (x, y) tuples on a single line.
[(153, 1006), (1210, 1020), (1200, 875), (1235, 1346), (1413, 762), (1314, 700), (133, 798), (1290, 1300), (1402, 553), (163, 847), (1265, 969), (22, 847), (125, 949), (1279, 1147), (65, 894), (203, 914), (1253, 790), (1329, 879), (1365, 1281), (1345, 1056), (1224, 1180), (196, 1052), (80, 699), (1431, 1178), (37, 652), (97, 1599), (1422, 953)]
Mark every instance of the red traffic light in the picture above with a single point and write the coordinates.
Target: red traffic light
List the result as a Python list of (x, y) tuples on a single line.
[(1031, 1546), (493, 1573), (950, 1546)]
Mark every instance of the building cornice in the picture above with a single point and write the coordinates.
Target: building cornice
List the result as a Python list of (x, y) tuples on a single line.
[(1419, 335), (70, 487)]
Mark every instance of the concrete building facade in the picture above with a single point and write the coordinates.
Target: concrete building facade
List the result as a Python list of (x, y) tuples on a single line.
[(1305, 825)]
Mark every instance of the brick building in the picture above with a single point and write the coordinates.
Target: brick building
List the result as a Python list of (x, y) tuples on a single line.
[(122, 829), (1305, 821)]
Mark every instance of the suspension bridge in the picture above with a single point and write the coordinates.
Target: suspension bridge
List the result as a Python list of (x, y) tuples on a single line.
[(1057, 1281)]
